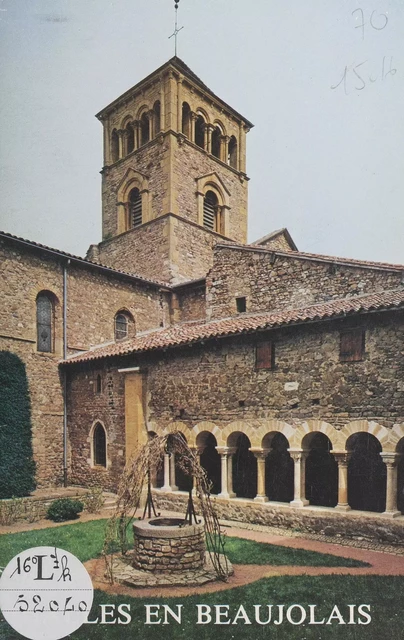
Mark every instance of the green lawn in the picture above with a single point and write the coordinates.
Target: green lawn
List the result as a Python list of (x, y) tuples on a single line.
[(85, 540)]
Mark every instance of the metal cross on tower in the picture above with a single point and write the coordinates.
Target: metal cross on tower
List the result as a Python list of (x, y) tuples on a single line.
[(176, 30)]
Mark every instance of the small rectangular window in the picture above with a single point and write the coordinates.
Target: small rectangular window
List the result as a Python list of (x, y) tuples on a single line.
[(352, 345), (241, 304), (265, 355)]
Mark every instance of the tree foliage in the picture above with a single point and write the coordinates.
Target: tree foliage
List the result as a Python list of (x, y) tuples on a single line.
[(17, 466)]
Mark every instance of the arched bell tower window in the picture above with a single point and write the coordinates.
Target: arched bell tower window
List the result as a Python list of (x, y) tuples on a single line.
[(99, 446), (216, 133), (200, 132), (135, 208), (45, 322), (114, 146), (186, 119), (232, 155), (130, 138), (144, 129), (156, 112), (210, 211)]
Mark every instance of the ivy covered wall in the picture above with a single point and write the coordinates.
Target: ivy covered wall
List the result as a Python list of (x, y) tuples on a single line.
[(17, 466)]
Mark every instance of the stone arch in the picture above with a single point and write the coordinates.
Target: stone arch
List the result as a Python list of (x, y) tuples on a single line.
[(242, 427), (90, 440), (46, 306), (201, 112), (209, 458), (56, 295), (272, 426), (130, 181), (311, 426), (218, 123), (366, 472), (127, 119), (206, 426), (144, 109), (212, 182), (374, 428), (124, 330)]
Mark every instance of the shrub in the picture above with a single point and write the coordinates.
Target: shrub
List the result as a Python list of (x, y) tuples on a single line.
[(18, 509), (64, 509), (17, 467), (94, 499)]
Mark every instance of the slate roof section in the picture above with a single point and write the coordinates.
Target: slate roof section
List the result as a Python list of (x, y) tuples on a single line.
[(78, 259), (188, 334)]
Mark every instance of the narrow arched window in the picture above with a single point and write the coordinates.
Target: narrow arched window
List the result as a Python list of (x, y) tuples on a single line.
[(144, 129), (156, 111), (210, 211), (114, 146), (186, 119), (216, 134), (100, 446), (44, 323), (135, 208), (130, 139), (200, 132), (121, 326), (232, 155)]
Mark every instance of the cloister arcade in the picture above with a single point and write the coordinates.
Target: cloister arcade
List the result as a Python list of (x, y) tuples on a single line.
[(359, 466)]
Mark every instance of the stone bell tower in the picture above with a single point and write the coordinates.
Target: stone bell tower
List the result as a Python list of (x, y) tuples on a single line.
[(174, 180)]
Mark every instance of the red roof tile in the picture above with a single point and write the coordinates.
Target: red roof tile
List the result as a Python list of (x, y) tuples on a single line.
[(185, 334)]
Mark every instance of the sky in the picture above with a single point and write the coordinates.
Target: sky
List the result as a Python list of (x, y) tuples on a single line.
[(321, 81)]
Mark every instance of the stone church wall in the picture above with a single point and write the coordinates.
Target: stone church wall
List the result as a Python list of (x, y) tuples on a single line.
[(288, 283), (93, 299), (151, 160), (143, 251), (85, 408), (217, 383)]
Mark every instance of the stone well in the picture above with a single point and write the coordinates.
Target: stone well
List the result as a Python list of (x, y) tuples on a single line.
[(167, 545)]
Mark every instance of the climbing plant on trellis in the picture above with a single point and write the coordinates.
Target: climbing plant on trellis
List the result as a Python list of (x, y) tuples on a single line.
[(145, 464)]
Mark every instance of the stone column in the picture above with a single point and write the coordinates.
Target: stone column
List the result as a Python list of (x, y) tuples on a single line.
[(193, 117), (226, 472), (172, 473), (162, 105), (230, 473), (224, 145), (390, 460), (166, 486), (342, 459), (136, 125), (121, 140), (179, 105), (299, 458), (208, 138), (260, 454)]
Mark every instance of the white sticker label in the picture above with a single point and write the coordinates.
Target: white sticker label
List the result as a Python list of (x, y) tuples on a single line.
[(45, 593)]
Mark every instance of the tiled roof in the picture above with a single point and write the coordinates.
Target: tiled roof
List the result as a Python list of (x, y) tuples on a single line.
[(186, 334), (85, 261), (183, 68)]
